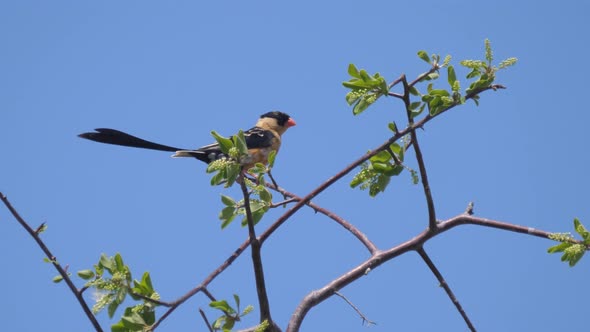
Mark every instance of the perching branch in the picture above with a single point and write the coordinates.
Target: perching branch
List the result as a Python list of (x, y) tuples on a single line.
[(255, 247), (62, 272)]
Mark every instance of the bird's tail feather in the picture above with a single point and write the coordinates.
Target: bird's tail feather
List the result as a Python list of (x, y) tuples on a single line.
[(202, 156), (112, 136)]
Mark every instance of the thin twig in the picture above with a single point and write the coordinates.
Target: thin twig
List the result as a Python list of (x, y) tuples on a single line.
[(206, 320), (273, 181), (208, 294), (341, 221), (55, 263), (149, 299), (204, 283), (285, 202), (394, 83), (363, 317), (446, 287)]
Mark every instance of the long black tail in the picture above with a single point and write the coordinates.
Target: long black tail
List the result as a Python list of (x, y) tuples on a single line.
[(112, 136)]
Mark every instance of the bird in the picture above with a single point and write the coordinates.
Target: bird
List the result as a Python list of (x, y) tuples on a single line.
[(261, 139)]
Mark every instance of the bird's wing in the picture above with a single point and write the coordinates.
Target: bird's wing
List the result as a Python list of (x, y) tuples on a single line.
[(257, 137)]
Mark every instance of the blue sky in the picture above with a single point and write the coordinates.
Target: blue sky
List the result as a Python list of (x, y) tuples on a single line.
[(173, 71)]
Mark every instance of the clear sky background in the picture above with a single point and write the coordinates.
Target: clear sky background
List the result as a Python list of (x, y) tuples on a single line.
[(173, 71)]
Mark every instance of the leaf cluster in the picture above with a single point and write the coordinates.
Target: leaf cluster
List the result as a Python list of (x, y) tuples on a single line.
[(376, 174), (229, 316), (365, 89), (572, 250), (228, 169), (111, 279), (260, 200), (483, 71)]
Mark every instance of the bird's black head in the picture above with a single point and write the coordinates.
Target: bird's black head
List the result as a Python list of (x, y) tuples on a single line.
[(281, 117)]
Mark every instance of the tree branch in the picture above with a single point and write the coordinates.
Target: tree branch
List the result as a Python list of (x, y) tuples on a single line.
[(446, 287), (53, 259), (255, 247), (419, 159), (318, 296)]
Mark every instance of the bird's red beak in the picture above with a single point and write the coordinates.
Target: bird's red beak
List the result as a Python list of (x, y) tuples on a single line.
[(290, 123)]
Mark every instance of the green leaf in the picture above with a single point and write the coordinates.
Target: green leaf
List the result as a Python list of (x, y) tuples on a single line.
[(382, 167), (559, 247), (394, 171), (356, 84), (229, 323), (228, 201), (429, 88), (415, 105), (134, 322), (57, 279), (119, 263), (146, 281), (107, 263), (218, 178), (257, 215), (382, 156), (86, 274), (580, 229), (452, 77), (112, 308), (415, 113), (424, 56), (393, 127), (227, 215), (119, 327), (439, 92), (352, 71), (240, 142), (360, 107), (265, 195), (224, 143), (223, 306), (237, 299), (432, 76), (232, 171), (271, 158), (365, 76)]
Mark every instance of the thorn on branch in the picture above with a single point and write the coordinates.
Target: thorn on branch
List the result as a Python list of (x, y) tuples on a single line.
[(469, 209)]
